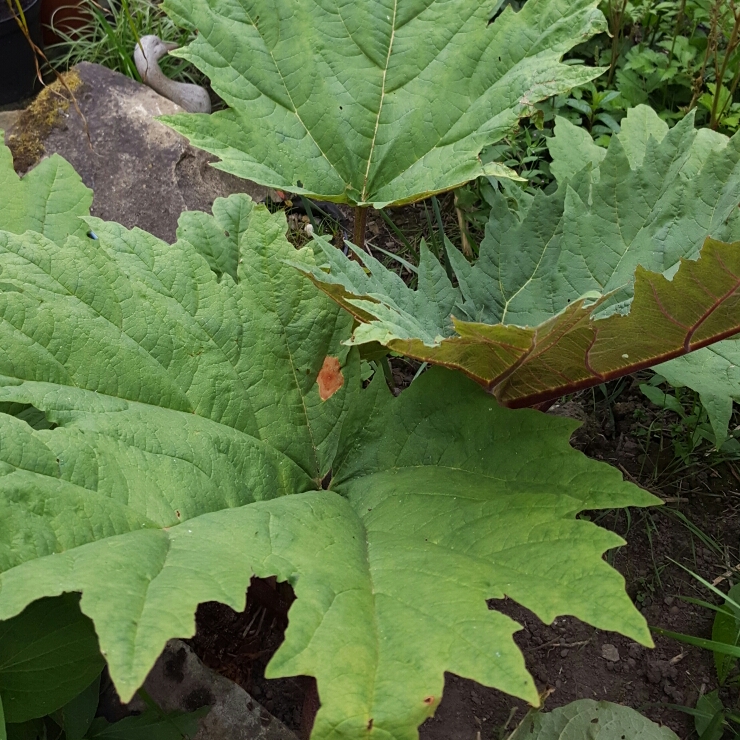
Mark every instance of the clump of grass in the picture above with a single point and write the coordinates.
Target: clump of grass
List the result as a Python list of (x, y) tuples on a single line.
[(108, 36)]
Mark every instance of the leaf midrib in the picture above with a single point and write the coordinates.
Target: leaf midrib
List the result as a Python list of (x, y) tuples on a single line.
[(363, 194), (287, 92)]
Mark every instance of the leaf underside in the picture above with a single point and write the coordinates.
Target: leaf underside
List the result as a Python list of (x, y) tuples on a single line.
[(713, 371), (374, 101), (601, 278), (179, 446)]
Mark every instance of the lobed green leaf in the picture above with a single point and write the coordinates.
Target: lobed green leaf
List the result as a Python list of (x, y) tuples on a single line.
[(374, 101), (186, 436), (50, 199)]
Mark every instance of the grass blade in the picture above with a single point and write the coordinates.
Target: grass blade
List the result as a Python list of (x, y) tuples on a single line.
[(713, 645)]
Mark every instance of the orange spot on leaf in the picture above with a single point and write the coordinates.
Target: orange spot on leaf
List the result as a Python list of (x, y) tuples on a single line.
[(429, 700), (330, 378)]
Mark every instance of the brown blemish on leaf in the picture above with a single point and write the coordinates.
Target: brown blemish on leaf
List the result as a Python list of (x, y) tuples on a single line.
[(429, 700), (370, 724), (330, 378)]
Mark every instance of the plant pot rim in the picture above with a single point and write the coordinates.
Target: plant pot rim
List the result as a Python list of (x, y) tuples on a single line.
[(8, 22)]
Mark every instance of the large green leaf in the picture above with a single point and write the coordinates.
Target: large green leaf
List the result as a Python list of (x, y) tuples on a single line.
[(48, 655), (50, 199), (76, 716), (541, 313), (587, 718), (714, 373), (374, 101), (188, 448), (34, 729), (151, 725)]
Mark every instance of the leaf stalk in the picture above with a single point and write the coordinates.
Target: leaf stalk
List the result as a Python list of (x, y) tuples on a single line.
[(358, 237)]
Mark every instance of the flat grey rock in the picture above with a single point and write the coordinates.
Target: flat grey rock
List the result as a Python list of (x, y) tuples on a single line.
[(180, 681), (142, 173)]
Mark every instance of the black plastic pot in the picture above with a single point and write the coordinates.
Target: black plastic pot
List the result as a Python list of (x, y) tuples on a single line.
[(17, 64)]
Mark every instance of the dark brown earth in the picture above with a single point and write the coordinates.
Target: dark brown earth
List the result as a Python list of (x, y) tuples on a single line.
[(568, 659)]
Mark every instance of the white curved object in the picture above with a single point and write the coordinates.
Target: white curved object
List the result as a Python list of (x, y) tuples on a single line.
[(147, 53)]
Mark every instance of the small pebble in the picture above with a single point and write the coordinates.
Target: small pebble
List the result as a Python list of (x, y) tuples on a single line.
[(668, 600), (558, 684), (564, 653), (610, 653), (675, 610)]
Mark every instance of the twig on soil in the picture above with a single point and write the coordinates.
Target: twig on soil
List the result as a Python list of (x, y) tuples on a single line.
[(727, 574), (678, 658), (664, 499), (580, 643), (634, 480), (734, 472), (251, 622), (545, 694), (557, 643)]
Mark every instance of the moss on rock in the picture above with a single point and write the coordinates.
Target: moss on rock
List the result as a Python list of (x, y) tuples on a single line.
[(26, 142)]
